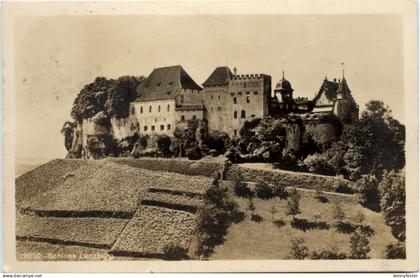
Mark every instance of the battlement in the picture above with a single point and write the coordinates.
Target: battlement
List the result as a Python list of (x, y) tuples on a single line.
[(247, 76)]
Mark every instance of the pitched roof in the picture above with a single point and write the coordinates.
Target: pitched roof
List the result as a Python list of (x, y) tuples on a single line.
[(220, 76), (344, 89), (165, 83)]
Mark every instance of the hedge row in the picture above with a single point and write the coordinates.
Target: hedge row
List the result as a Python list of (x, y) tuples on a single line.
[(182, 166), (287, 178)]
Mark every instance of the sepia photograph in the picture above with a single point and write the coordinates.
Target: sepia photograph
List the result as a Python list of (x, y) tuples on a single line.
[(192, 135)]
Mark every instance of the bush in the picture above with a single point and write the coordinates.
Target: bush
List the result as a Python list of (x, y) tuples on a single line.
[(293, 203), (164, 144), (392, 193), (319, 164), (280, 190), (299, 250), (359, 245), (395, 251), (214, 218), (367, 187), (173, 251), (242, 190), (332, 254), (263, 190), (194, 153)]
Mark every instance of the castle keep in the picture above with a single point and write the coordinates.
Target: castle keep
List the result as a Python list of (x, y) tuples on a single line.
[(169, 98)]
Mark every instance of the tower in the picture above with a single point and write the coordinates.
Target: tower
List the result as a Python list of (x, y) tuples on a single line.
[(284, 91)]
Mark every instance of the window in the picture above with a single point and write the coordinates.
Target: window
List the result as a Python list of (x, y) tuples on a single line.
[(211, 97), (247, 99), (235, 114), (255, 93), (182, 118), (141, 109), (219, 108), (169, 127), (240, 93), (168, 108), (145, 128), (243, 114), (153, 128), (247, 93), (150, 109), (235, 132), (194, 117), (162, 127), (235, 100), (253, 116), (219, 96), (159, 108), (211, 108), (133, 110), (182, 99)]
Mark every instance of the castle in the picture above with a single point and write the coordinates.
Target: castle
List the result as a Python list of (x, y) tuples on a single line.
[(169, 98)]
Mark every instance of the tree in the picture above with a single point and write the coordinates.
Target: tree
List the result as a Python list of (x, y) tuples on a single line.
[(392, 201), (263, 190), (120, 94), (395, 251), (367, 187), (338, 213), (359, 245), (293, 203), (164, 144), (91, 99), (299, 251)]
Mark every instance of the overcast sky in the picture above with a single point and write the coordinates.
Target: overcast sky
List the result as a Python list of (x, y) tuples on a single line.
[(56, 56)]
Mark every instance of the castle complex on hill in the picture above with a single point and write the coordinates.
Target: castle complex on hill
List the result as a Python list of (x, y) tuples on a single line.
[(169, 98)]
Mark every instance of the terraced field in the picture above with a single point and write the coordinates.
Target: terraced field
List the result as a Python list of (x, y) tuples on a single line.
[(118, 210)]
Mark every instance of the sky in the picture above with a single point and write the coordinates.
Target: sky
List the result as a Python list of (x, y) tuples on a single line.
[(56, 56)]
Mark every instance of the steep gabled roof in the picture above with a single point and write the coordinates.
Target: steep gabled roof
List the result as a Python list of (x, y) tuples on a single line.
[(219, 77), (330, 88), (165, 83)]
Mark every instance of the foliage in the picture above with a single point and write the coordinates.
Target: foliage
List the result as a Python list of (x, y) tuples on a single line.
[(164, 144), (359, 245), (392, 201), (293, 203), (331, 254), (242, 190), (299, 250), (375, 144), (218, 141), (395, 251), (338, 213), (194, 152), (214, 218), (120, 94), (367, 187), (263, 190), (280, 190), (173, 251)]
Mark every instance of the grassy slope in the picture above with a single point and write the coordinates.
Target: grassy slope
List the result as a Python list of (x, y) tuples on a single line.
[(264, 240)]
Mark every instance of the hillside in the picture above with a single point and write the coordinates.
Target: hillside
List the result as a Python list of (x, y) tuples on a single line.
[(107, 210)]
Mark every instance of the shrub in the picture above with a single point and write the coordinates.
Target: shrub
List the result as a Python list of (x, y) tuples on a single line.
[(280, 190), (293, 203), (359, 245), (392, 193), (338, 213), (332, 254), (173, 251), (164, 144), (214, 218), (319, 164), (263, 190), (242, 190), (299, 250), (395, 251), (194, 153), (367, 187)]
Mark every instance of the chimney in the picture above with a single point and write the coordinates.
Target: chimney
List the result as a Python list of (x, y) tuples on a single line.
[(335, 80), (235, 71)]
